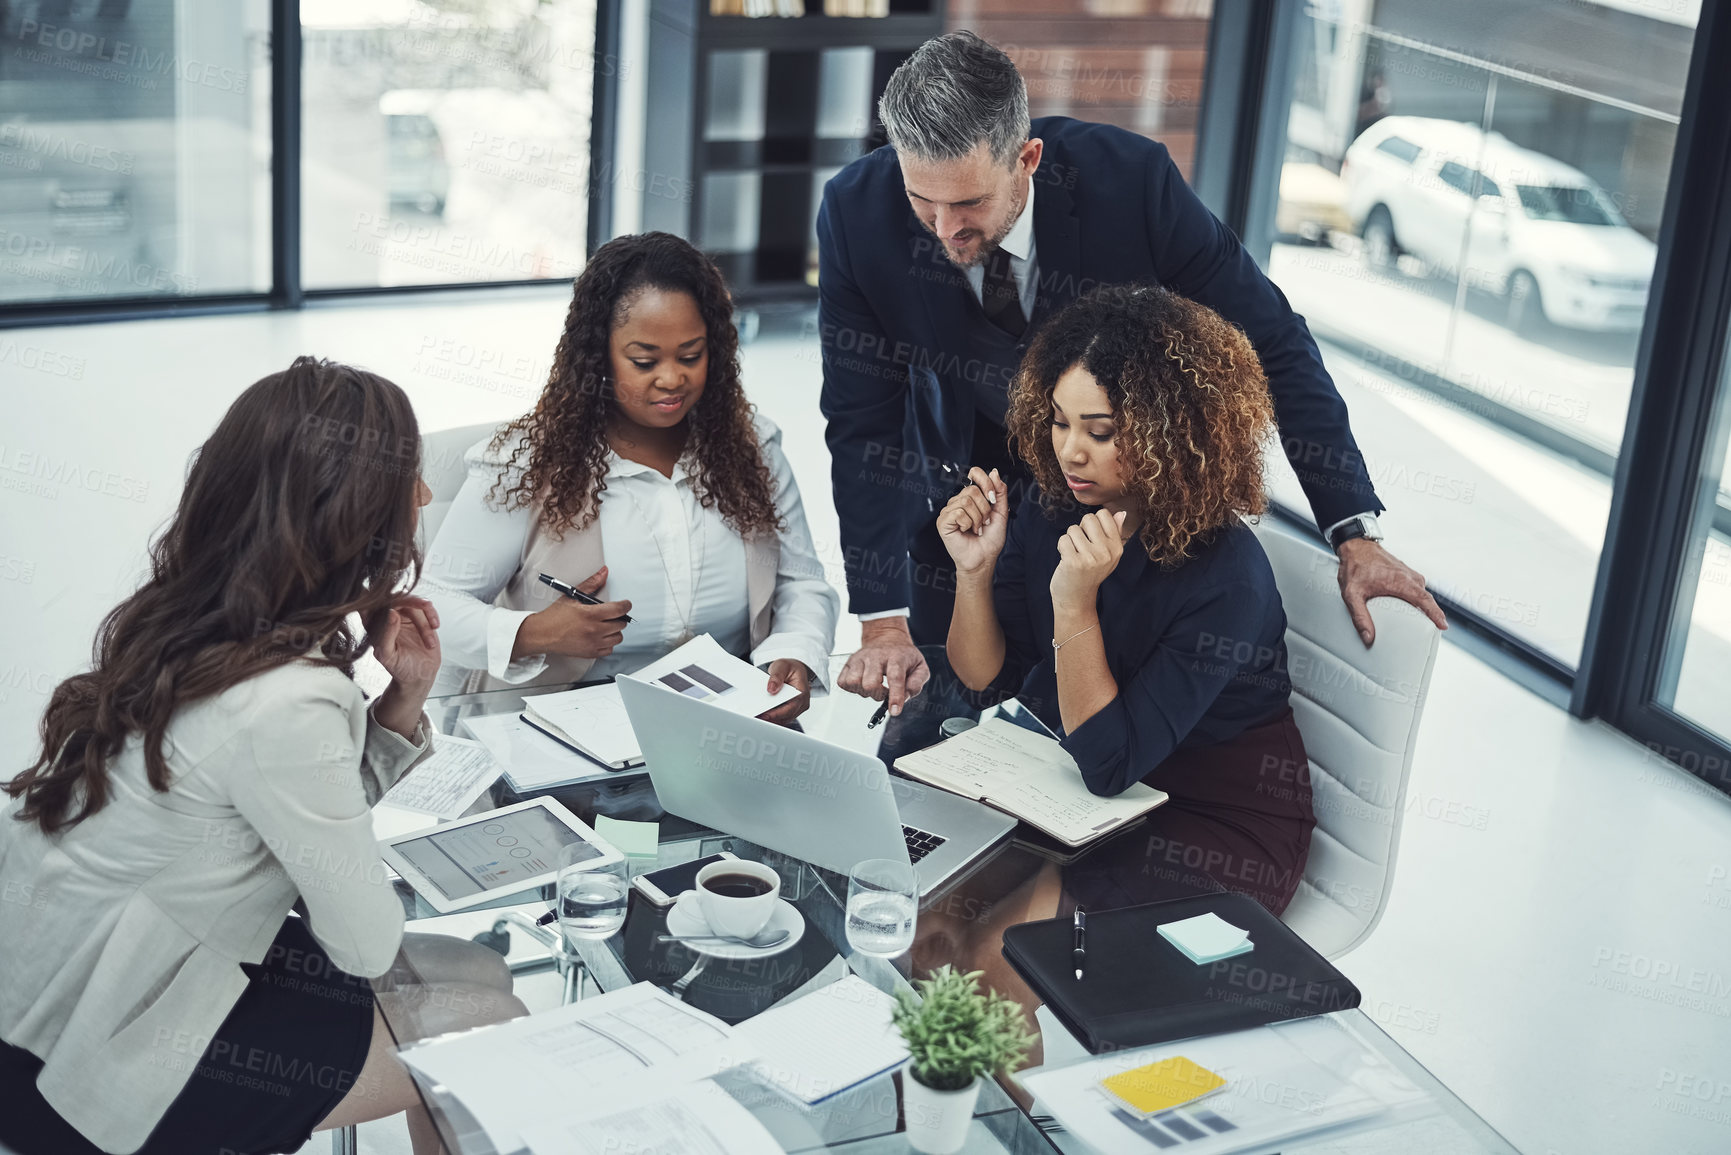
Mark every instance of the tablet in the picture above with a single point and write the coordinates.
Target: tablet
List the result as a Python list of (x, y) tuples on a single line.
[(484, 857)]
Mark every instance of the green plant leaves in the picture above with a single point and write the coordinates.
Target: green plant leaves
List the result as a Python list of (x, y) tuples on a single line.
[(956, 1033)]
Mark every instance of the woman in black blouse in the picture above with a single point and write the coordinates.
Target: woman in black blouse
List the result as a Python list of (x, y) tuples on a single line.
[(1130, 607)]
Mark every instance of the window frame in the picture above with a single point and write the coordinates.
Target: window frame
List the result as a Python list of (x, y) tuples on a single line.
[(1678, 368), (287, 290)]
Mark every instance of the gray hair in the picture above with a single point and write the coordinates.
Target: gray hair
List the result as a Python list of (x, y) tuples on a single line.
[(955, 91)]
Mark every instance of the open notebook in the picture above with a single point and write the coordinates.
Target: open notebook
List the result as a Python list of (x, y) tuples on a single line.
[(1028, 776), (591, 720)]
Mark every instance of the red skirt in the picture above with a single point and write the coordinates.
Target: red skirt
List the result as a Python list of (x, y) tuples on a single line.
[(1239, 819)]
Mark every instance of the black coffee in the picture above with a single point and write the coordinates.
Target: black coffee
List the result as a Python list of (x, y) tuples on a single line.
[(736, 885)]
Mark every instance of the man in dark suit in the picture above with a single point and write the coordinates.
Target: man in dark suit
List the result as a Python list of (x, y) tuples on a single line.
[(939, 257)]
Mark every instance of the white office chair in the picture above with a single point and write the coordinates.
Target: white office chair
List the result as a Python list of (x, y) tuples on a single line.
[(443, 470), (1359, 712)]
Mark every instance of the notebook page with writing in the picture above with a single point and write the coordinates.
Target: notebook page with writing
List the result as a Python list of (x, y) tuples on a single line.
[(1029, 776), (975, 763), (592, 718)]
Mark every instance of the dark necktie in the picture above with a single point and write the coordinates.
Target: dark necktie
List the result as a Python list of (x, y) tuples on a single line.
[(999, 296)]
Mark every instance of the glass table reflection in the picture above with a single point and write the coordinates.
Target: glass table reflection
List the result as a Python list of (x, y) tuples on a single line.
[(868, 1117)]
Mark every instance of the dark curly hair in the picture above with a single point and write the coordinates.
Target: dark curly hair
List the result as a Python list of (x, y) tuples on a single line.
[(563, 455), (1188, 397)]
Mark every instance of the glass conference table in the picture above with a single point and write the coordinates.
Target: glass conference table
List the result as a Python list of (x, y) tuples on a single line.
[(866, 1119)]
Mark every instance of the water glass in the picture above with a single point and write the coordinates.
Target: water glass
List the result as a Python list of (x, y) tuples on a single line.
[(882, 902), (591, 898)]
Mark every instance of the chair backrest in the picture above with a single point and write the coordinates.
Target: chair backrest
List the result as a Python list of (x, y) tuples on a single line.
[(443, 470), (1358, 711)]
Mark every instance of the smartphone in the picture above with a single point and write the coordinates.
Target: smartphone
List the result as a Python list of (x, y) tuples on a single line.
[(663, 887)]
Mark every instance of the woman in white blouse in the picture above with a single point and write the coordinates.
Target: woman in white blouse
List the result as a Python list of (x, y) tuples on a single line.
[(642, 476)]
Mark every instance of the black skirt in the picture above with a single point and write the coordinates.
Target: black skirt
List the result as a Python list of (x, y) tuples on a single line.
[(1239, 819), (285, 1056)]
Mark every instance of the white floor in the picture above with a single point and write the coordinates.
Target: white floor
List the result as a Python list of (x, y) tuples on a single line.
[(1558, 945)]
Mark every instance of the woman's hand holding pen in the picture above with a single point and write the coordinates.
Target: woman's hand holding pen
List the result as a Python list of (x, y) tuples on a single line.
[(974, 523), (572, 628)]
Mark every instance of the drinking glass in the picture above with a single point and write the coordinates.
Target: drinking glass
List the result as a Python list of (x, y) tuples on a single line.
[(590, 899), (882, 902)]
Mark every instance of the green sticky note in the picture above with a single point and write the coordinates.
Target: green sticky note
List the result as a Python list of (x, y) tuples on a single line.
[(634, 839)]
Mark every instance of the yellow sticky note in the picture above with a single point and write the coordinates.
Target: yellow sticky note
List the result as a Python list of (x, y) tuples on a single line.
[(1161, 1086)]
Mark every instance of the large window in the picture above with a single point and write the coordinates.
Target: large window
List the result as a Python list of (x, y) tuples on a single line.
[(1469, 198), (134, 149), (1695, 678), (444, 141)]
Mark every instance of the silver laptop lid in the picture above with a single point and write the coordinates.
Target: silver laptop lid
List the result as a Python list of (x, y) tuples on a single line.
[(768, 784)]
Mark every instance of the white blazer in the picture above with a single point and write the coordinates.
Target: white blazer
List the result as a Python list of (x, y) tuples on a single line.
[(121, 938)]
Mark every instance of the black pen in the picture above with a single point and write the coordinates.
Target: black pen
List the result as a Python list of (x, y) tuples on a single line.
[(572, 591), (1079, 933), (883, 710)]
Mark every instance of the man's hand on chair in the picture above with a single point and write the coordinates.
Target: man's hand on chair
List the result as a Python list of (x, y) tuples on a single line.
[(1369, 571), (887, 664)]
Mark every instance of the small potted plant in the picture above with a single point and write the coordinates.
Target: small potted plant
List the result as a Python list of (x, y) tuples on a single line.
[(955, 1034)]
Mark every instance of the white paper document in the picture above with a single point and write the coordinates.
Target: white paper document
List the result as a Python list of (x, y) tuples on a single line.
[(579, 1060), (702, 669), (533, 761), (1030, 776), (828, 1041), (592, 718), (447, 781), (699, 1119), (1283, 1082)]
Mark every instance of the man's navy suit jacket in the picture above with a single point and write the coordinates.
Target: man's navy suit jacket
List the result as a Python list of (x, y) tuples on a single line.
[(899, 375)]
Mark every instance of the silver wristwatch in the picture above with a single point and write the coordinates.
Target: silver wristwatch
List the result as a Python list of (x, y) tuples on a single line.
[(1362, 525)]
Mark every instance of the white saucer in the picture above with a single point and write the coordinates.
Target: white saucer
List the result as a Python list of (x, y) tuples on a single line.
[(686, 918)]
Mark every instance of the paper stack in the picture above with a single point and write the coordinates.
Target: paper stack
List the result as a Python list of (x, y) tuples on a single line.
[(1206, 938)]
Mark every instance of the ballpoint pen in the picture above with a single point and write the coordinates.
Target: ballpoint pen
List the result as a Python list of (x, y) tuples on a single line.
[(572, 591), (882, 711), (1079, 951)]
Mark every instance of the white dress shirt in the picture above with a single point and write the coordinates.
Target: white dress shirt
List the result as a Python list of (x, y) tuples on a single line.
[(679, 564), (1025, 267), (1019, 243)]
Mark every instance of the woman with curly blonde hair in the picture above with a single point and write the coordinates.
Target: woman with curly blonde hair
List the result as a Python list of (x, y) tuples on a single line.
[(1130, 606), (642, 477)]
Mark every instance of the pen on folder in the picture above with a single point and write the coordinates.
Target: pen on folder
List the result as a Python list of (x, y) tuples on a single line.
[(1079, 932), (572, 591)]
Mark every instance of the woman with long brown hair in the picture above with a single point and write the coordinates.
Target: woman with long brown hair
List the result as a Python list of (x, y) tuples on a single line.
[(644, 477), (212, 770)]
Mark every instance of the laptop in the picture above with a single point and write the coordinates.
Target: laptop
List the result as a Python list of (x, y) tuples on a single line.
[(799, 795)]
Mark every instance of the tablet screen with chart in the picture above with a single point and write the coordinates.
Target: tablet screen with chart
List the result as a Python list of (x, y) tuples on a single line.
[(503, 853)]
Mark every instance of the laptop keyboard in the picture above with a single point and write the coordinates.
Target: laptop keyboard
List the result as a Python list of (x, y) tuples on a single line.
[(920, 843)]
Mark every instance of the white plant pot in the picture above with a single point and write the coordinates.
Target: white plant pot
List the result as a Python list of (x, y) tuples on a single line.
[(937, 1121)]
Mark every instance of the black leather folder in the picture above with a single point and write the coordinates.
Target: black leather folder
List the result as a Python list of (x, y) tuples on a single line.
[(1138, 989)]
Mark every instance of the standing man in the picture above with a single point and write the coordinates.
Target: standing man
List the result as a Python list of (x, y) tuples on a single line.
[(939, 256)]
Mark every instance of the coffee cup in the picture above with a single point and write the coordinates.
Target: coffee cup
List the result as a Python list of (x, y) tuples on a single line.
[(737, 898)]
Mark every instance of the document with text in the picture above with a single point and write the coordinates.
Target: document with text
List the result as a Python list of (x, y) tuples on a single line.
[(1030, 777), (614, 1052), (699, 1119)]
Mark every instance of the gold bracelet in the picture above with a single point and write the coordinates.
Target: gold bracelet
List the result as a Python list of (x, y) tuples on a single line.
[(1056, 645)]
